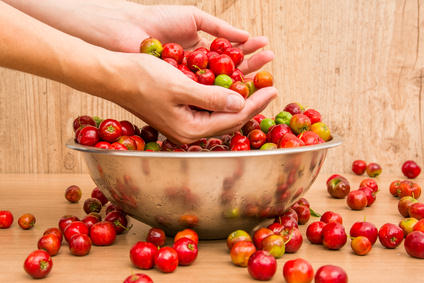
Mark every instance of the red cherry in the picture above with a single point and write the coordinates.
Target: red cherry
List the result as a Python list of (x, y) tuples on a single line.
[(219, 45), (89, 135), (221, 64), (235, 54), (173, 51), (205, 76), (411, 169), (197, 60), (237, 76)]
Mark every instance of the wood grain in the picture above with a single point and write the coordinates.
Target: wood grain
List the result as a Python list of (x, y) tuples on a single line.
[(42, 195), (361, 63)]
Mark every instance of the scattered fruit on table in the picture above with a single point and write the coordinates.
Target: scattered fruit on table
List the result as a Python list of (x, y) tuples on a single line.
[(262, 265), (187, 233), (359, 167), (407, 225), (331, 216), (92, 205), (338, 186), (237, 236), (411, 169), (166, 259), (241, 251), (186, 250), (365, 229), (334, 236), (314, 232), (50, 243), (373, 169), (142, 255), (73, 193), (156, 236), (414, 244), (6, 219), (79, 244), (361, 245), (357, 200), (38, 264), (390, 235), (103, 233), (298, 271), (54, 231), (26, 221), (75, 228), (97, 193)]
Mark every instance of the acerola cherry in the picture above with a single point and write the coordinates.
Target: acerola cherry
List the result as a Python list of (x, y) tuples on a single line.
[(257, 138), (298, 271), (6, 219), (197, 60), (50, 243), (138, 278), (205, 76), (390, 235), (356, 200), (220, 44), (82, 121), (38, 264), (156, 236), (260, 235), (365, 229), (313, 115), (370, 183), (222, 64), (235, 54), (330, 216), (103, 233), (330, 274), (241, 88), (314, 232), (88, 135), (142, 255), (26, 221), (359, 167), (262, 265), (373, 170), (237, 236), (110, 130), (414, 244), (371, 197), (263, 79), (127, 128), (166, 259), (80, 244), (238, 76), (241, 251), (411, 169), (174, 51), (151, 46), (334, 236), (186, 250)]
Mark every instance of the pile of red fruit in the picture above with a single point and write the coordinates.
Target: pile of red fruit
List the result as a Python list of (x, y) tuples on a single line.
[(79, 234), (292, 127), (339, 187), (152, 252), (214, 66)]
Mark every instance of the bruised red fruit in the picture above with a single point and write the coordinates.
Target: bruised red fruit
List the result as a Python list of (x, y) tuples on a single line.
[(370, 183)]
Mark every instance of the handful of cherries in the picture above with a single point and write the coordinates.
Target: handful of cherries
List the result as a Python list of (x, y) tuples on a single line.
[(214, 66)]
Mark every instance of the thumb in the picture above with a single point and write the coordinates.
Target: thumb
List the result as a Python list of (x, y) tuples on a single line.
[(213, 98)]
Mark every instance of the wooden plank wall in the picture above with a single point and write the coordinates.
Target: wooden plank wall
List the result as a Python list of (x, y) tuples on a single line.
[(361, 63)]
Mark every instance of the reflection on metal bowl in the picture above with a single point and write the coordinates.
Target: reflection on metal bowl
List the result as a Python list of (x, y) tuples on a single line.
[(214, 193)]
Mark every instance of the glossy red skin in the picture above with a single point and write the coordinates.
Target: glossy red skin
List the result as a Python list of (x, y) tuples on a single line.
[(293, 108), (334, 236), (408, 188), (300, 123), (187, 251), (241, 88), (26, 221), (290, 140), (295, 242), (276, 132), (332, 177), (83, 121), (403, 205), (419, 226), (262, 265), (414, 244), (191, 75), (303, 214), (314, 232), (356, 200), (359, 167), (309, 138), (73, 194), (38, 264), (197, 60), (283, 223), (235, 54), (6, 219), (111, 207), (259, 118), (411, 169), (257, 138), (166, 259), (304, 202), (241, 146), (237, 236), (313, 115), (139, 142), (138, 278), (371, 197), (416, 210), (142, 255), (171, 62), (103, 233), (394, 188), (54, 231), (88, 135), (110, 130), (174, 51), (298, 271), (50, 243), (97, 193), (80, 244), (263, 79), (212, 54), (249, 126), (127, 128), (156, 236), (187, 233), (237, 76), (90, 220), (338, 187), (103, 145), (92, 205), (65, 220), (373, 169), (119, 220), (330, 216), (365, 229), (290, 212), (260, 235), (370, 183), (330, 274), (117, 146), (149, 134), (222, 64), (75, 228), (220, 44), (205, 76), (390, 235)]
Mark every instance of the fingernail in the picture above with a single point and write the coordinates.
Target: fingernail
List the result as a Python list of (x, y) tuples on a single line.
[(235, 102)]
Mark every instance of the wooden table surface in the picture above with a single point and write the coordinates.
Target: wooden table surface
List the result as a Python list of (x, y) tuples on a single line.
[(43, 195)]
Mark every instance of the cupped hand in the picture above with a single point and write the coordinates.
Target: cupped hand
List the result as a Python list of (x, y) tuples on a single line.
[(161, 95)]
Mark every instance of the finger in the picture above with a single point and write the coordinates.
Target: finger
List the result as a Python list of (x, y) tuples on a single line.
[(213, 98), (256, 62), (218, 27), (252, 44), (219, 123)]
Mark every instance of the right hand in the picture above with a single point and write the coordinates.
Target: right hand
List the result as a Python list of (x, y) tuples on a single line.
[(160, 94)]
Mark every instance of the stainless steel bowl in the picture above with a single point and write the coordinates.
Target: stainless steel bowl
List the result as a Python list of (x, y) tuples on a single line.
[(214, 193)]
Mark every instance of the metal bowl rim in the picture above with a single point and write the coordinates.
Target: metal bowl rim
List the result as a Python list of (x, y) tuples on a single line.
[(336, 141)]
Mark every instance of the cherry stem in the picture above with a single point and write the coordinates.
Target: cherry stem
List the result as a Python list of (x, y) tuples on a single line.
[(288, 240), (314, 213)]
